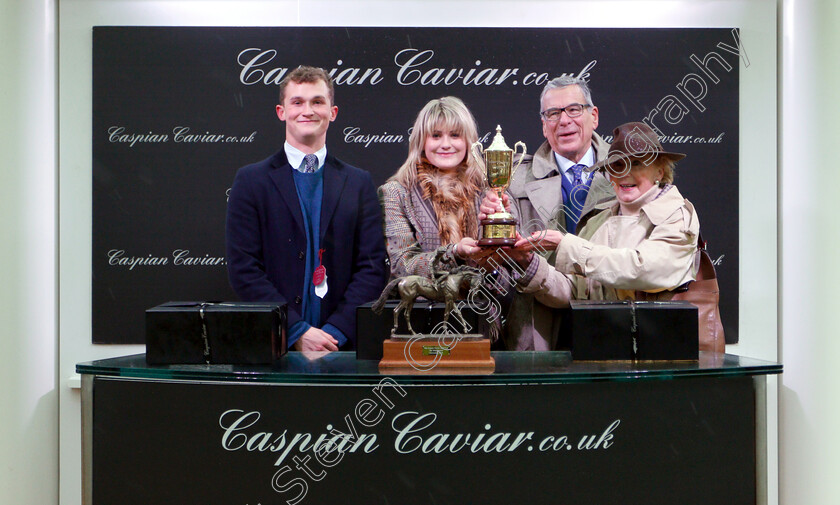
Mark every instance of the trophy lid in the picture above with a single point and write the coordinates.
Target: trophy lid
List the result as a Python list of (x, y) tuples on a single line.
[(498, 143)]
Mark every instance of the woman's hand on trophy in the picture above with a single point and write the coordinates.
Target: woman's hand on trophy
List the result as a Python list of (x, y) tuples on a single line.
[(491, 204), (543, 240), (468, 249)]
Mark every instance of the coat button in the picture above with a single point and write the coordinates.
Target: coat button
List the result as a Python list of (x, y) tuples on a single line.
[(298, 300), (301, 255)]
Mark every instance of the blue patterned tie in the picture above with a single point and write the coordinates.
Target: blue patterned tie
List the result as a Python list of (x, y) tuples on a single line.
[(310, 164), (577, 197), (577, 170)]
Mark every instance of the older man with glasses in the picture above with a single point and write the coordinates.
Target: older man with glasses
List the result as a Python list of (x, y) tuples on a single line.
[(552, 190)]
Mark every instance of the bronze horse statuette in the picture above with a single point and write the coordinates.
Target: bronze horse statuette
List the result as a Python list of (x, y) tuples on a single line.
[(445, 287)]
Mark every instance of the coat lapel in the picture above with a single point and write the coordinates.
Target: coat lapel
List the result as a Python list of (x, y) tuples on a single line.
[(543, 194), (334, 179), (281, 176), (600, 192), (546, 190)]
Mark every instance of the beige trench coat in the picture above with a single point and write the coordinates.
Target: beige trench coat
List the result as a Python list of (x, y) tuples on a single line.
[(536, 194), (611, 258), (536, 198), (616, 255)]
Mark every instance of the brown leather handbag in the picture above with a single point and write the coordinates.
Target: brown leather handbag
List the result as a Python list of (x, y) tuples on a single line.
[(705, 294)]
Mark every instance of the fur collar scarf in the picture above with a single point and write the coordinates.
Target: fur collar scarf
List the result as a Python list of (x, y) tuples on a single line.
[(452, 197)]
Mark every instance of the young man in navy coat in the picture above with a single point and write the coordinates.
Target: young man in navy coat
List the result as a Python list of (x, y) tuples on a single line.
[(305, 228)]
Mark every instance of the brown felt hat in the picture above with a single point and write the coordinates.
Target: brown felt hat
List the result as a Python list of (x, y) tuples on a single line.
[(633, 140)]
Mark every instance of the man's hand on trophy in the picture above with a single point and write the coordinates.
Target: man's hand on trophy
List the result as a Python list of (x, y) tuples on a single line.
[(521, 255), (490, 204), (539, 240)]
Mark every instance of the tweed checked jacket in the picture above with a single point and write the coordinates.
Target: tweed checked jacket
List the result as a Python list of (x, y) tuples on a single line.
[(411, 231)]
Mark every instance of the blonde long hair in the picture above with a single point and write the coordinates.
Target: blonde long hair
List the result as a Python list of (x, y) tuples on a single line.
[(450, 114)]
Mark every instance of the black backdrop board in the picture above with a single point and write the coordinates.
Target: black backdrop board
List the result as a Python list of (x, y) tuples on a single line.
[(687, 441), (177, 110)]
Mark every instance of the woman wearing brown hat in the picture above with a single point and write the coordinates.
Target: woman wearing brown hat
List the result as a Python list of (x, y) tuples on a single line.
[(644, 241)]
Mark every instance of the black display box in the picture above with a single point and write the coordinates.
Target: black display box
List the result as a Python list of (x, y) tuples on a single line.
[(234, 333), (627, 330), (372, 329)]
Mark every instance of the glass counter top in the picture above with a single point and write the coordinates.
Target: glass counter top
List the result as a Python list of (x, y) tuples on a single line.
[(512, 367)]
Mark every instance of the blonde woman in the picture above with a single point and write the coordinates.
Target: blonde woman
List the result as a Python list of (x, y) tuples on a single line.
[(431, 204)]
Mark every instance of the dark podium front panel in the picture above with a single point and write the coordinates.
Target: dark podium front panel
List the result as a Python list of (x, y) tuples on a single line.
[(542, 429)]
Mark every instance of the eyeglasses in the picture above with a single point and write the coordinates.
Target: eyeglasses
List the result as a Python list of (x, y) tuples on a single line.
[(571, 110)]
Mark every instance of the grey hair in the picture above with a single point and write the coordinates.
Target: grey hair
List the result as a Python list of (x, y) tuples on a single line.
[(567, 80)]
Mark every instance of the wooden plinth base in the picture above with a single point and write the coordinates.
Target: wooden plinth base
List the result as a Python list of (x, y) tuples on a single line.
[(470, 354)]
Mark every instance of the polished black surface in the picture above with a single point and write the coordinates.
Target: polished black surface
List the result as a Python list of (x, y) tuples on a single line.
[(511, 367)]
